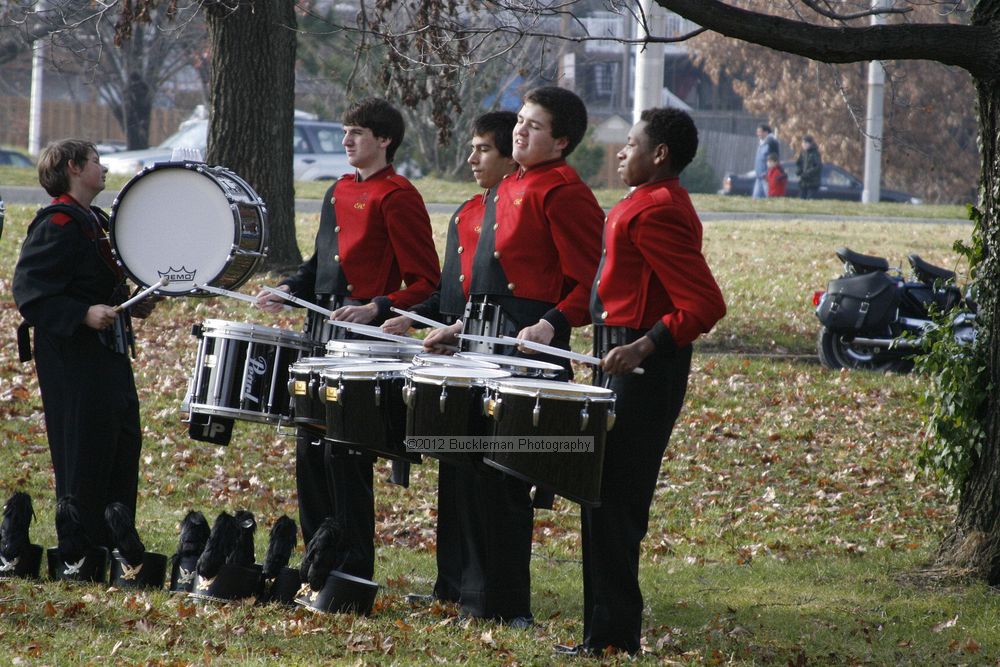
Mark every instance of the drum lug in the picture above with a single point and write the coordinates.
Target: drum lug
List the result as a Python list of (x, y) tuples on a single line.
[(536, 412), (611, 419), (408, 394), (487, 405), (378, 394), (584, 417), (443, 399), (496, 408)]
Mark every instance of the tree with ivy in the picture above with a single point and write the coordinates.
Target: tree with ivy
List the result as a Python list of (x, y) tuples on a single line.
[(840, 33)]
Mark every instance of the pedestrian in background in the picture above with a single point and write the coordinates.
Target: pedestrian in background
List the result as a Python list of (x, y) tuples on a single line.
[(809, 166)]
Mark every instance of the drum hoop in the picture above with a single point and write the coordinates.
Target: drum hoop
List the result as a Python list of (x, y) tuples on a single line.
[(455, 376), (253, 333), (562, 391)]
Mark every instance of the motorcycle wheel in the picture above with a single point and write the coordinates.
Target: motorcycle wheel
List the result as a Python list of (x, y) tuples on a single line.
[(836, 353)]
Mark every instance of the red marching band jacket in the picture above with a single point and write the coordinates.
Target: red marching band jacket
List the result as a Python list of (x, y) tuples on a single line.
[(653, 274), (384, 238), (468, 222), (548, 237)]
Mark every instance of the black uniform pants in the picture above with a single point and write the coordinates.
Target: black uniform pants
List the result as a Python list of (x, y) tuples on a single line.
[(92, 419), (646, 407), (352, 482), (334, 481), (448, 586), (312, 481), (496, 522)]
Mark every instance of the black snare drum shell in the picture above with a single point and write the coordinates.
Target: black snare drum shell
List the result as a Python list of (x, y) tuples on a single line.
[(463, 416), (575, 476), (354, 418)]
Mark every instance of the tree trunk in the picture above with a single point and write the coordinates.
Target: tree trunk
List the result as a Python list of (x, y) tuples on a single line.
[(973, 544), (253, 100)]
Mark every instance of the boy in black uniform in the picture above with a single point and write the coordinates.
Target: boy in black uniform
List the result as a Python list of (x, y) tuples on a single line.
[(66, 285)]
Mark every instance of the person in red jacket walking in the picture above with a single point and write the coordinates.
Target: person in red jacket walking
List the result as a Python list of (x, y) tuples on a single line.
[(654, 294), (777, 179)]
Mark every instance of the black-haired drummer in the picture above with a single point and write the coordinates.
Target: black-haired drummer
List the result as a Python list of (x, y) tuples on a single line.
[(531, 278), (374, 235), (66, 285), (654, 294), (490, 160)]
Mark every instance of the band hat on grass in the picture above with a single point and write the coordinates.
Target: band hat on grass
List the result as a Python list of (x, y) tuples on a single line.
[(342, 593), (18, 556)]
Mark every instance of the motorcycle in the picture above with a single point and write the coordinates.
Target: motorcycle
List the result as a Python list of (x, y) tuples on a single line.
[(873, 318)]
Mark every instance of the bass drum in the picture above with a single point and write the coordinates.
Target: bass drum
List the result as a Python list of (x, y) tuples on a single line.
[(191, 223)]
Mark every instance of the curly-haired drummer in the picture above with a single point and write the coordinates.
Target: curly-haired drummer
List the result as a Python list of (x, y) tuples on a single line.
[(653, 295), (374, 250), (66, 285)]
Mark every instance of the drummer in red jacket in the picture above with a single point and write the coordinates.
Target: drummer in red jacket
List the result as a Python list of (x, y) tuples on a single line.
[(374, 250), (531, 277), (490, 160), (654, 294)]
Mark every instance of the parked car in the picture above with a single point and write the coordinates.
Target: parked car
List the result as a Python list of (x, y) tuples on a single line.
[(834, 183), (318, 151), (11, 158)]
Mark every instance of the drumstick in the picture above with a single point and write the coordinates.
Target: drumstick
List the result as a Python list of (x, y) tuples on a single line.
[(225, 292), (419, 318), (301, 302), (163, 282), (541, 347)]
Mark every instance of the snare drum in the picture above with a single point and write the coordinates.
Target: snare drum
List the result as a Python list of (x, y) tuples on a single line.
[(543, 408), (365, 408), (241, 370), (373, 348), (191, 223), (304, 378), (448, 401), (523, 367)]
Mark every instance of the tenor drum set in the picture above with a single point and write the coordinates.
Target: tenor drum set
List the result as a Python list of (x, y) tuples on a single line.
[(365, 395)]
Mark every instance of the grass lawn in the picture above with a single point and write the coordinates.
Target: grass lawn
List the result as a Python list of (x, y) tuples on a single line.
[(788, 528)]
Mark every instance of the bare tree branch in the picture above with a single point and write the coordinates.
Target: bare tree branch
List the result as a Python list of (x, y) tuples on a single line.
[(971, 47), (830, 14)]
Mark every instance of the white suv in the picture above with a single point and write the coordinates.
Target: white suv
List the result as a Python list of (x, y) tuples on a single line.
[(318, 152)]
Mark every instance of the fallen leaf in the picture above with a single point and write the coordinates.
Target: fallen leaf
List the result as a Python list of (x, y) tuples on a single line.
[(945, 624)]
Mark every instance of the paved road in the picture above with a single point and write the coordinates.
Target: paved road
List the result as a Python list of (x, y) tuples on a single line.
[(38, 197)]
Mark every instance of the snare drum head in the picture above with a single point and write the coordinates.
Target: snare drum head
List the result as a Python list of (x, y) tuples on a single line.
[(455, 375), (429, 359), (569, 391), (367, 371), (364, 348), (510, 361), (317, 364), (173, 221)]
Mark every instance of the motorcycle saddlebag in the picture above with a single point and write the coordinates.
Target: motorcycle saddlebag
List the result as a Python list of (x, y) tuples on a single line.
[(859, 304)]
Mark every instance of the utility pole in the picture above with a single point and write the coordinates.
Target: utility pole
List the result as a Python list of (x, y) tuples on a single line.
[(875, 118), (37, 90), (649, 60)]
